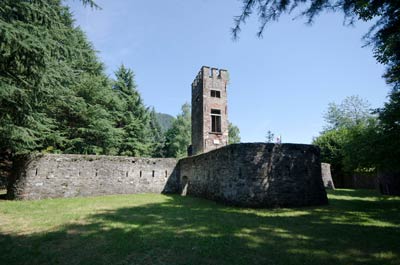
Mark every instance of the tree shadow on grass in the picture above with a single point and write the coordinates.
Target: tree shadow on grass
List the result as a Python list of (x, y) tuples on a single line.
[(3, 194), (195, 231)]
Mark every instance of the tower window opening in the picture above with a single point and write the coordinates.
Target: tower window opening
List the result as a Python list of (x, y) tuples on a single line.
[(215, 93), (215, 120)]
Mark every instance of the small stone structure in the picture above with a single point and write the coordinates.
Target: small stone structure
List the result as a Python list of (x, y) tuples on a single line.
[(209, 110), (327, 176), (256, 175), (53, 176)]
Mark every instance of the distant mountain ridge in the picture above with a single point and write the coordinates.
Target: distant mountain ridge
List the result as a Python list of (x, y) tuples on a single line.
[(165, 121)]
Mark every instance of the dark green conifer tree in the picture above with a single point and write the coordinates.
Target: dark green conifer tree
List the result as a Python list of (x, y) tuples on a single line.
[(54, 95), (157, 136), (133, 118)]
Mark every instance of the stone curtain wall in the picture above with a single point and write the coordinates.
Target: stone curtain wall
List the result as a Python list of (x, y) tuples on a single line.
[(256, 175), (52, 176), (253, 175)]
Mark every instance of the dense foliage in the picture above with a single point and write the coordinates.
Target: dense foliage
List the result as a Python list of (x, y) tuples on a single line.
[(132, 116), (54, 95), (47, 68), (233, 134), (349, 140), (157, 135), (178, 137), (388, 138)]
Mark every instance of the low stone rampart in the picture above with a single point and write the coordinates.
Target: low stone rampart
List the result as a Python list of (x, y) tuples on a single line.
[(51, 176), (256, 175), (251, 175)]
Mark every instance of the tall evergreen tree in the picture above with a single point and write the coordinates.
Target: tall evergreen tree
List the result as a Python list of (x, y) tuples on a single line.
[(54, 94), (133, 118), (157, 136), (29, 40)]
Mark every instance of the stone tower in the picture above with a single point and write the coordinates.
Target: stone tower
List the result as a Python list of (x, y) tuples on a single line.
[(209, 110)]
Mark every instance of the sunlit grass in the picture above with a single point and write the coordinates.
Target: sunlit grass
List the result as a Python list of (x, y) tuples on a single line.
[(159, 229)]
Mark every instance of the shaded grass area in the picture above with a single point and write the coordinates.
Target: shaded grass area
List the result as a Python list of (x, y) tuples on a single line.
[(358, 227), (3, 193)]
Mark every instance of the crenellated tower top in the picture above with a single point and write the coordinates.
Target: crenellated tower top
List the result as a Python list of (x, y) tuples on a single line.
[(207, 72)]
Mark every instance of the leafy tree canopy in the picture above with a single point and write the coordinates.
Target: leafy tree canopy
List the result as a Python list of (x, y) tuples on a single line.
[(388, 141), (351, 112), (178, 137), (233, 134), (348, 138), (157, 135)]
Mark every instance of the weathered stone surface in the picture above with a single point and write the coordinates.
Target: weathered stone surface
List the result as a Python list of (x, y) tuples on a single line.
[(52, 176), (203, 139), (326, 176), (256, 175), (253, 174)]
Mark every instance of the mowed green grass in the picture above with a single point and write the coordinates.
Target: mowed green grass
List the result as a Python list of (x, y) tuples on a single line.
[(357, 227)]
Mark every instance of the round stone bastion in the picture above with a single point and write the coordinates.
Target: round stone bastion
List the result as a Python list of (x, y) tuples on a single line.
[(256, 175)]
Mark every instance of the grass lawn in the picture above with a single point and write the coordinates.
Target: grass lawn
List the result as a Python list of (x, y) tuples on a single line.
[(358, 227)]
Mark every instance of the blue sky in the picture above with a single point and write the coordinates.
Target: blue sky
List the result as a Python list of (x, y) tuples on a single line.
[(282, 82)]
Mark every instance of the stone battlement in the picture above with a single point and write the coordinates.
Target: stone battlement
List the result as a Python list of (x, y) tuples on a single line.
[(207, 72)]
